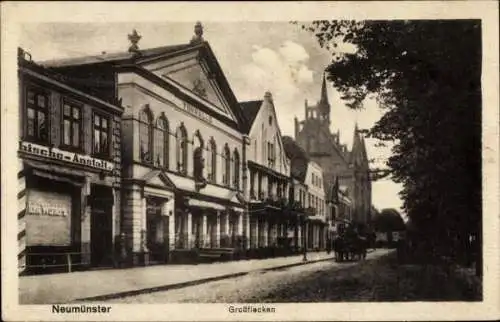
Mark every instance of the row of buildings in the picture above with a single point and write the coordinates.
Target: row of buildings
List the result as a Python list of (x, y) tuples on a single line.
[(147, 156)]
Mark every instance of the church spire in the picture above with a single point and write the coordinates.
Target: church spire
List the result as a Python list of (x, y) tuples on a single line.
[(323, 104)]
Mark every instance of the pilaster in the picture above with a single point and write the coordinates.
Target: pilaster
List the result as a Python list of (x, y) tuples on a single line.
[(217, 229), (265, 233), (204, 228), (85, 223), (189, 230)]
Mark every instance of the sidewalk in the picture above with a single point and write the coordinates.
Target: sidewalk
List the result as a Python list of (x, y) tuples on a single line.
[(100, 284)]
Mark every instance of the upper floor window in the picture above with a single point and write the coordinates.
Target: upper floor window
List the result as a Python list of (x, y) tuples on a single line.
[(236, 177), (226, 174), (271, 155), (146, 135), (161, 142), (212, 161), (198, 161), (182, 143), (37, 116), (100, 135), (72, 125)]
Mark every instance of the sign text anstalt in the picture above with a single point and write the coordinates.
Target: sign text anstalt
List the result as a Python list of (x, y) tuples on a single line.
[(65, 156)]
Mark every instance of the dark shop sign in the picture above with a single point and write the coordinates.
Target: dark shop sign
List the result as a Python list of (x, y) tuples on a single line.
[(65, 156)]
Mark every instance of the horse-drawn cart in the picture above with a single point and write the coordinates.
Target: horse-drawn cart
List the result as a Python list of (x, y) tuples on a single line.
[(350, 247)]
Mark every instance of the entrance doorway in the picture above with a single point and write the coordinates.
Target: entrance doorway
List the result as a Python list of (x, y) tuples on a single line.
[(157, 228), (101, 226)]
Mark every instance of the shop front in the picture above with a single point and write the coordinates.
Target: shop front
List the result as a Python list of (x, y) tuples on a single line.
[(68, 221), (207, 223), (51, 224)]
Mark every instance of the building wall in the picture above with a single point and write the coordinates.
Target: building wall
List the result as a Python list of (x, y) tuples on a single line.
[(265, 130), (314, 182), (137, 92), (66, 163)]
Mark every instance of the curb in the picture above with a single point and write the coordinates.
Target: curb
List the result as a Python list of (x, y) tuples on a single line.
[(191, 283)]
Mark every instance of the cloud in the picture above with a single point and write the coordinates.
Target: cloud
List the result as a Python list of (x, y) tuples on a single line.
[(293, 52), (284, 72)]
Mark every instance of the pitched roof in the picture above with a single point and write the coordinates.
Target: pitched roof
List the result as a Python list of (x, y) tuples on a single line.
[(154, 53), (298, 157), (113, 57), (250, 110)]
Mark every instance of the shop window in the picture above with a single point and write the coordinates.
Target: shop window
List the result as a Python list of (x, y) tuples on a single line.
[(226, 174), (161, 142), (212, 161), (182, 145), (146, 135), (236, 178), (72, 125), (101, 135), (37, 116)]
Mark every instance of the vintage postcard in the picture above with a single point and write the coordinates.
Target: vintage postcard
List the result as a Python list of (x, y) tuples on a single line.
[(194, 161)]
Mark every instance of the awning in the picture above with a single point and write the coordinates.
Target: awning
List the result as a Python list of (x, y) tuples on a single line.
[(205, 204), (316, 218), (57, 173), (186, 184)]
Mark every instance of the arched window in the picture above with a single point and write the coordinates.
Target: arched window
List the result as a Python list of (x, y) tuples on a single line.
[(212, 161), (182, 146), (161, 140), (236, 178), (198, 161), (226, 174), (146, 135)]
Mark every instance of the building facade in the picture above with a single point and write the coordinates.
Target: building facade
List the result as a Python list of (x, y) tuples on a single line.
[(183, 148), (69, 180), (316, 203), (339, 209), (337, 161), (271, 224), (309, 192)]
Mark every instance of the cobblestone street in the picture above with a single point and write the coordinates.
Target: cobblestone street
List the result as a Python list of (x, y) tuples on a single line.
[(379, 278)]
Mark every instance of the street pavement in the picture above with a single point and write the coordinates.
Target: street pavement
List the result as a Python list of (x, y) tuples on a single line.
[(378, 278), (101, 284)]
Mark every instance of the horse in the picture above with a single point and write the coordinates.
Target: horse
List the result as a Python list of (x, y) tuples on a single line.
[(350, 248)]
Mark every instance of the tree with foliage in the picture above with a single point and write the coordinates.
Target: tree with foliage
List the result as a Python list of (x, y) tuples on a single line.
[(388, 220), (426, 75)]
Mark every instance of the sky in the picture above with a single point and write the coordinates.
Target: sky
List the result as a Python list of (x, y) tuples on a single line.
[(255, 57)]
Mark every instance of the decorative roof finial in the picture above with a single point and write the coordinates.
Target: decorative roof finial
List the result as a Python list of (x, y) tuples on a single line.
[(134, 38), (198, 33), (268, 96)]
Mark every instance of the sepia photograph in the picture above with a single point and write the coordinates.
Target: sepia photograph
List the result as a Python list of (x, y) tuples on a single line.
[(250, 163)]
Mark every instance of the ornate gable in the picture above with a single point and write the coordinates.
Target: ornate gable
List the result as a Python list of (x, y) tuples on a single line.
[(192, 75)]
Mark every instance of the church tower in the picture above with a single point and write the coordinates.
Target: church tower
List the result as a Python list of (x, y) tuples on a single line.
[(321, 111), (342, 167)]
